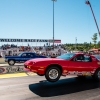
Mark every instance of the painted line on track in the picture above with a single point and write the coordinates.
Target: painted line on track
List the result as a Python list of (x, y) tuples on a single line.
[(13, 75)]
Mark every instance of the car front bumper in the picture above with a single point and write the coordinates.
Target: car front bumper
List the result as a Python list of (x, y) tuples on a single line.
[(29, 72), (35, 69)]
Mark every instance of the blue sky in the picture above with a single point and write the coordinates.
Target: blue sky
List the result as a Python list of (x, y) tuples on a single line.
[(33, 19)]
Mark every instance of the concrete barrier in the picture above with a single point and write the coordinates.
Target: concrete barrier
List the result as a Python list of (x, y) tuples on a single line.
[(11, 69), (17, 64)]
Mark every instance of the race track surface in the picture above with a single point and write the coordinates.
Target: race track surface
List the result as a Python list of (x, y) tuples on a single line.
[(37, 88)]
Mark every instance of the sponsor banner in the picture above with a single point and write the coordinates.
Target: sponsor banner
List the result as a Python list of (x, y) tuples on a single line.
[(29, 40), (55, 41), (11, 69)]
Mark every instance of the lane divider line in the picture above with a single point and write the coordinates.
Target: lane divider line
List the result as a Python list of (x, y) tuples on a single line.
[(13, 75)]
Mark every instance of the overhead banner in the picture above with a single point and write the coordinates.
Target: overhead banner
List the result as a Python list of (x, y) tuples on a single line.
[(24, 40), (29, 40)]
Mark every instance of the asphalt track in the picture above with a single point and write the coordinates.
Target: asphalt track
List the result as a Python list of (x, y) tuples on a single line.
[(37, 88), (13, 75)]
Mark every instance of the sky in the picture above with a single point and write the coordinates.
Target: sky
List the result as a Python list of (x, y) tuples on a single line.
[(33, 19)]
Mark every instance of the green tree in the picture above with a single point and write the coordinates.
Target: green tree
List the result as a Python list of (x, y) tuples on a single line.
[(98, 44), (94, 38)]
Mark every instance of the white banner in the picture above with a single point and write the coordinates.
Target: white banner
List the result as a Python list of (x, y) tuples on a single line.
[(24, 40), (29, 40)]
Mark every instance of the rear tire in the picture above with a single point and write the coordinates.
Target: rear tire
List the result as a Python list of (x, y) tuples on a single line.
[(52, 74), (11, 62), (96, 75)]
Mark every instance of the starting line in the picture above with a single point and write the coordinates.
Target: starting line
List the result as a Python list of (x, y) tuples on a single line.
[(13, 75)]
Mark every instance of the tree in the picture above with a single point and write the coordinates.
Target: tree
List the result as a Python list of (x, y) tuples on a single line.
[(86, 46), (98, 44), (94, 38)]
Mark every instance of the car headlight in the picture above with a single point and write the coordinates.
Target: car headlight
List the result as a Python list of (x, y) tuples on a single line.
[(28, 67)]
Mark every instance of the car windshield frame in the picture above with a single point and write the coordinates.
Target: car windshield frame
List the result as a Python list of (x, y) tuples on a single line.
[(66, 56), (20, 54), (97, 56)]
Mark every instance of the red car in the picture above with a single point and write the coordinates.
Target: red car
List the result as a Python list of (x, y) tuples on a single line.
[(67, 64)]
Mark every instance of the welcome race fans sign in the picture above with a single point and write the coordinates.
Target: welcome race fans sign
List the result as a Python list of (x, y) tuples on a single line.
[(30, 40)]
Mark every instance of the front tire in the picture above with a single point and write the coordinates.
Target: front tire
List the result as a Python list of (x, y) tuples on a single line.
[(53, 74), (11, 62)]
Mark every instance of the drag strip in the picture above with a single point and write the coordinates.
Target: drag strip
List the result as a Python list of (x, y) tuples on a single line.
[(13, 75), (37, 88)]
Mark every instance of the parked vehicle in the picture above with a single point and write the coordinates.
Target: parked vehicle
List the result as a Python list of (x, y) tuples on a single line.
[(22, 57)]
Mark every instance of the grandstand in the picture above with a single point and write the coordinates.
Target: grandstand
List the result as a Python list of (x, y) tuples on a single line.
[(12, 50)]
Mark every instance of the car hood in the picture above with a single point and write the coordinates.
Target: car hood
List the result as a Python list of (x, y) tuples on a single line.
[(11, 56), (43, 59)]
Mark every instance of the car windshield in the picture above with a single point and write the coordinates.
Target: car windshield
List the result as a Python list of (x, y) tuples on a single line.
[(20, 54), (97, 56), (66, 56)]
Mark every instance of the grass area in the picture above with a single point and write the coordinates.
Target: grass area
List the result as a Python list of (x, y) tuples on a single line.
[(2, 61)]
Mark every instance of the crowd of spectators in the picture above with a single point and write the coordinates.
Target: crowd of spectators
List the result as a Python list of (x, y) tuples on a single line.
[(7, 46), (21, 48), (38, 49), (25, 48), (46, 50)]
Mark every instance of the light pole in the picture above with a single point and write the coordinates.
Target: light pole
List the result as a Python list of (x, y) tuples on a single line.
[(75, 43), (88, 3), (53, 22)]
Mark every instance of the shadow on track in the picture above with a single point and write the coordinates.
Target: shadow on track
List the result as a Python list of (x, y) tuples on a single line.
[(64, 86)]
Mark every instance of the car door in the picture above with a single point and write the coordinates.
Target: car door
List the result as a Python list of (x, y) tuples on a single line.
[(34, 55), (80, 64), (24, 57), (30, 56)]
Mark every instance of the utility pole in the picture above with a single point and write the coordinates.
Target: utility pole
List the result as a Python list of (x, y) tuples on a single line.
[(53, 23), (88, 3)]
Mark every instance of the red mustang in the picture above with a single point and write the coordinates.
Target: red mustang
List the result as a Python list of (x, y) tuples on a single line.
[(67, 64)]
